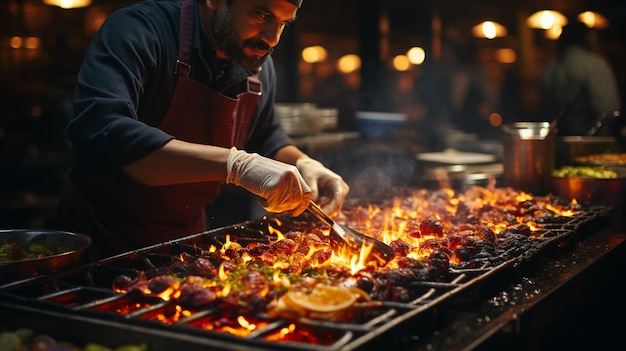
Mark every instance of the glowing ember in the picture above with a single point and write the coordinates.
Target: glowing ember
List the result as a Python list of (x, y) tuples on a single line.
[(123, 307), (168, 315), (303, 334), (240, 326), (244, 323)]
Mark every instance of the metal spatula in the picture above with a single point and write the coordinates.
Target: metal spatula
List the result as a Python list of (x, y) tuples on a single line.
[(343, 236)]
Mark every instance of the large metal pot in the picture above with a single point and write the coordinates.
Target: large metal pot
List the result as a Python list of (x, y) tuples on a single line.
[(567, 148), (528, 156), (69, 250), (593, 191)]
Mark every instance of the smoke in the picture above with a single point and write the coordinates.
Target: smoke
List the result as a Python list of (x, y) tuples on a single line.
[(372, 170)]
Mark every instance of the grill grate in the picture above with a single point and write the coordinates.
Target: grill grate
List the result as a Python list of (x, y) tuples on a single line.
[(84, 298)]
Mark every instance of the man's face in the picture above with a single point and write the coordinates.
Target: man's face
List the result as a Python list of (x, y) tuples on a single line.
[(245, 31)]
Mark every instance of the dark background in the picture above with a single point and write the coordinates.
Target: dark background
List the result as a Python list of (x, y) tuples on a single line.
[(37, 84)]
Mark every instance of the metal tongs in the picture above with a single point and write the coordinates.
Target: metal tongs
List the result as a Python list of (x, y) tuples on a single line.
[(342, 236), (600, 121)]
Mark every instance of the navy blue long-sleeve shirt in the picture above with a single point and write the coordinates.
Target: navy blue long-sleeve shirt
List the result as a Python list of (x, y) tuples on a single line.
[(127, 80)]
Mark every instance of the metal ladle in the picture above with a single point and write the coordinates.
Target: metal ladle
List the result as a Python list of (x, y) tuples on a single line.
[(341, 235)]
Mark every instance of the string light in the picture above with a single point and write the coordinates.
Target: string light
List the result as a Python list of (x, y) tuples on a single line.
[(546, 19), (68, 4), (489, 30)]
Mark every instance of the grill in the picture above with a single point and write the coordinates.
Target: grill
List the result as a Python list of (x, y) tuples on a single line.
[(81, 305)]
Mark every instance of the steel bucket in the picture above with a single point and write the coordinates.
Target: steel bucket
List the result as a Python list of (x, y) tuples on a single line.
[(528, 156)]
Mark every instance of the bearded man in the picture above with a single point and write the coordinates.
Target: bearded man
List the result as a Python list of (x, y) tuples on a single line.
[(175, 98)]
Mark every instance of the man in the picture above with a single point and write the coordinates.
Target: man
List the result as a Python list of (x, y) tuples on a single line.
[(174, 98), (578, 86)]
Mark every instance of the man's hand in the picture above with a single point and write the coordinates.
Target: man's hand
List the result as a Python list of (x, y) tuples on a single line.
[(327, 188), (280, 185)]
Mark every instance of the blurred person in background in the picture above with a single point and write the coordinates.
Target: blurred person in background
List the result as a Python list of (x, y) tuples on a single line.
[(166, 113), (578, 85), (456, 92)]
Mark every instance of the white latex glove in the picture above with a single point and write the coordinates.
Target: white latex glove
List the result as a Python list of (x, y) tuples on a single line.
[(328, 189), (279, 184)]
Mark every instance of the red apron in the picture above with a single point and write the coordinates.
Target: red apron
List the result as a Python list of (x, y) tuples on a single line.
[(127, 215)]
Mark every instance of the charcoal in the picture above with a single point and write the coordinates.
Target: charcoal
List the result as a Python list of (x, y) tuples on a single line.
[(321, 256), (400, 294), (439, 260), (400, 248), (431, 226), (486, 234), (408, 262), (285, 246), (365, 283), (258, 250), (232, 254)]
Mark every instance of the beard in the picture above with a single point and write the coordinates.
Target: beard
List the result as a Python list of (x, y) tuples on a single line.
[(228, 41)]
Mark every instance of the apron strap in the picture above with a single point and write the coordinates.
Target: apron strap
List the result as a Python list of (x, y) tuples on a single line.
[(183, 66), (251, 85)]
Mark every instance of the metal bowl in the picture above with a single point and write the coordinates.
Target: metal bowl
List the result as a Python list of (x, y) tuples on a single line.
[(70, 250), (567, 148), (593, 191), (380, 125)]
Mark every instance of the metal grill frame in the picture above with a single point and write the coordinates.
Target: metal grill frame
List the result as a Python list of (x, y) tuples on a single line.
[(396, 319)]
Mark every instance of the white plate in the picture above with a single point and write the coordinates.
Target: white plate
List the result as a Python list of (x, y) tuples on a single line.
[(456, 157)]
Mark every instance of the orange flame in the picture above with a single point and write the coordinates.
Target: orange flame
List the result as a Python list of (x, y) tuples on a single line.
[(280, 279), (532, 225), (343, 256), (363, 254), (287, 330), (279, 234), (168, 293), (221, 273), (244, 323), (562, 212), (225, 290)]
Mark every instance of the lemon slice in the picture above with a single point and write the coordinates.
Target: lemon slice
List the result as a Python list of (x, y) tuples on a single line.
[(323, 298)]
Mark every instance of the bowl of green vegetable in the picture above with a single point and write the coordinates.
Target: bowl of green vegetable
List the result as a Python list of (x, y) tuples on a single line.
[(28, 253), (590, 185)]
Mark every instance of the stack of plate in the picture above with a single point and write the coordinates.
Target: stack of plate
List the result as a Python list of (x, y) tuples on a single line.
[(299, 119), (458, 169)]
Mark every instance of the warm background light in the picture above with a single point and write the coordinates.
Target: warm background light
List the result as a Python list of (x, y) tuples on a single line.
[(495, 119), (313, 54), (68, 4), (31, 43), (506, 56), (24, 42), (489, 30), (593, 20), (401, 63), (546, 19), (15, 42), (554, 32), (416, 55), (349, 63)]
